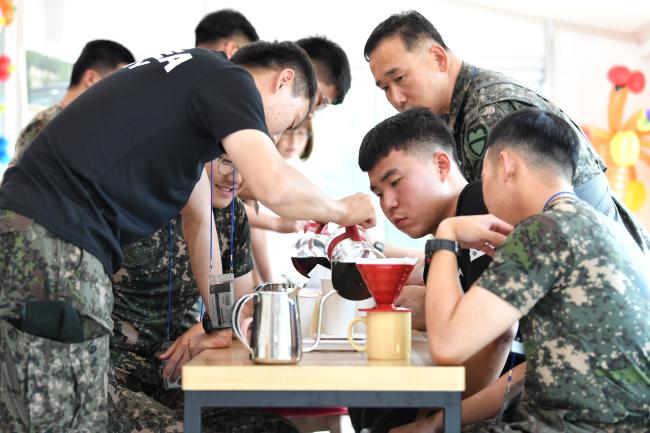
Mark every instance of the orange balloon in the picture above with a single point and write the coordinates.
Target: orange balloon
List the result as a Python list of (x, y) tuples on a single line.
[(634, 121), (625, 148), (7, 8), (635, 195), (617, 98)]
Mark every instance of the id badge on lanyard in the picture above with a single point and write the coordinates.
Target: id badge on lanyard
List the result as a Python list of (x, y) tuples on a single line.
[(221, 299)]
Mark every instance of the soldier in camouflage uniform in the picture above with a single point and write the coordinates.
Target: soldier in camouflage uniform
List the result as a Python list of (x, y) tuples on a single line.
[(142, 297), (40, 266), (414, 67), (97, 59), (578, 285), (36, 125)]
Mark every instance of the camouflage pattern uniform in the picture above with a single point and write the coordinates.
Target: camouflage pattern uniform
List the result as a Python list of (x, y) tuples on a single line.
[(582, 286), (141, 289), (482, 98), (65, 383), (49, 385), (33, 128)]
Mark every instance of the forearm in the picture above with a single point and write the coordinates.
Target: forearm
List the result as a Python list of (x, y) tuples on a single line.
[(261, 253), (244, 284), (294, 196), (443, 294), (276, 184), (198, 228), (197, 237), (261, 220), (459, 325)]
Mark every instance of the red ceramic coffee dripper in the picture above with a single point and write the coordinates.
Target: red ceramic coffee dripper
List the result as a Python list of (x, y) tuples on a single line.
[(385, 279)]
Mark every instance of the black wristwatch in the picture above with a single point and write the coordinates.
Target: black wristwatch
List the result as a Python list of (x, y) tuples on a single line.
[(207, 323), (434, 245)]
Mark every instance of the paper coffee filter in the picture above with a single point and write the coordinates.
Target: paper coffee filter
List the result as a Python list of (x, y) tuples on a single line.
[(388, 261), (320, 272)]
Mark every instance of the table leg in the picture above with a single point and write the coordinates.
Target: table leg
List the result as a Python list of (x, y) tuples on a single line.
[(192, 413), (452, 414)]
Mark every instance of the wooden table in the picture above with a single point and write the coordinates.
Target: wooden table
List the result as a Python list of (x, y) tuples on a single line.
[(228, 378)]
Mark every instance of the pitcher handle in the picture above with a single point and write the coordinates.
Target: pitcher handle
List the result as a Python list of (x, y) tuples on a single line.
[(357, 347), (319, 320), (236, 317), (354, 233), (351, 232)]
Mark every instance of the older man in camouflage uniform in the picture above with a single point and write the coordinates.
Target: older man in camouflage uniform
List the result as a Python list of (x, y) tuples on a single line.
[(414, 67), (578, 286)]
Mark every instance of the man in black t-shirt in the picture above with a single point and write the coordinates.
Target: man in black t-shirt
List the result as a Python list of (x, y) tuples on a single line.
[(116, 165), (411, 167)]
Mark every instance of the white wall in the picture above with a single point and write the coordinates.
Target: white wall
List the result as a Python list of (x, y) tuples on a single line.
[(580, 84)]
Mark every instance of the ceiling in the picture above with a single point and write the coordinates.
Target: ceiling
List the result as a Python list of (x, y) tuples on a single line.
[(625, 18)]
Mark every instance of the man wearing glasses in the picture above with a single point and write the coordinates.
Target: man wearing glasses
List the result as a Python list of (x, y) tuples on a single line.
[(152, 303)]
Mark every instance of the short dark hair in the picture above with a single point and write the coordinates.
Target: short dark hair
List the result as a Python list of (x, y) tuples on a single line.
[(414, 130), (544, 139), (281, 55), (224, 23), (410, 26), (333, 59), (100, 54)]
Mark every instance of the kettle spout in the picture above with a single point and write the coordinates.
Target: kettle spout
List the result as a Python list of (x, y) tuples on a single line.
[(319, 321)]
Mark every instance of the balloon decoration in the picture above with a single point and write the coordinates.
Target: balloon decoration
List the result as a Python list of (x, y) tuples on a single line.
[(624, 144), (7, 11), (4, 156), (6, 68)]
